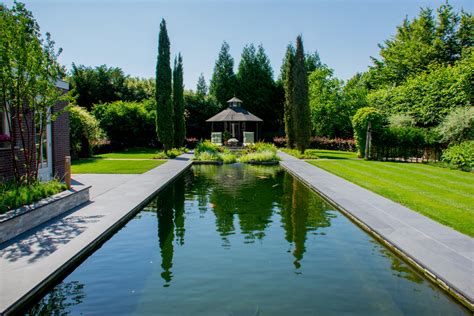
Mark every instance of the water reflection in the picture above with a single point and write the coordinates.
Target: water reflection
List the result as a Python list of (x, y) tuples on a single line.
[(59, 300), (250, 197), (302, 211)]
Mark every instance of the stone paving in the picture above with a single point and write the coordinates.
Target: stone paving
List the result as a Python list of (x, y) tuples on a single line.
[(31, 260), (441, 251)]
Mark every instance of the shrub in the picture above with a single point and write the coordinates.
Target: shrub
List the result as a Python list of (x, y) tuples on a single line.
[(279, 141), (261, 152), (401, 120), (457, 126), (228, 157), (260, 156), (460, 156), (207, 156), (128, 124), (191, 142), (400, 142), (429, 96), (13, 196), (360, 122), (85, 132), (322, 143), (170, 154), (333, 143), (259, 147), (206, 146)]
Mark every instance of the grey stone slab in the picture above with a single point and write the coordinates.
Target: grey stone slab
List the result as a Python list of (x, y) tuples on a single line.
[(28, 262), (444, 252)]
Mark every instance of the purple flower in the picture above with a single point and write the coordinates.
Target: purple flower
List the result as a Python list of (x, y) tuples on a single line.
[(4, 138)]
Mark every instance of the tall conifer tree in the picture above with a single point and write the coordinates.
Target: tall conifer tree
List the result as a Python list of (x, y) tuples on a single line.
[(201, 87), (223, 80), (302, 120), (288, 84), (164, 105), (178, 102)]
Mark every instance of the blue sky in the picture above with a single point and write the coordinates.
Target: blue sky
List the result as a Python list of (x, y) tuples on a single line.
[(124, 33)]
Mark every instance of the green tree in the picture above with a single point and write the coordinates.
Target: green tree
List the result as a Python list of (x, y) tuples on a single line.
[(101, 84), (302, 121), (201, 87), (197, 110), (138, 89), (178, 103), (420, 43), (330, 116), (28, 74), (430, 96), (288, 83), (164, 105), (255, 85), (223, 82)]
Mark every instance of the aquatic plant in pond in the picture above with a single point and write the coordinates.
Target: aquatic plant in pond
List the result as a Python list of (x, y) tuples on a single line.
[(243, 239)]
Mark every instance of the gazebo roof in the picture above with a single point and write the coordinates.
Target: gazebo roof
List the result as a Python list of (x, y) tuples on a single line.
[(234, 114), (234, 100)]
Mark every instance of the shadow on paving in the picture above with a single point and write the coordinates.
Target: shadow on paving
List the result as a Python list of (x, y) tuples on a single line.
[(45, 239)]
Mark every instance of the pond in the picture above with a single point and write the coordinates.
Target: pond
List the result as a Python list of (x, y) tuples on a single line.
[(242, 240)]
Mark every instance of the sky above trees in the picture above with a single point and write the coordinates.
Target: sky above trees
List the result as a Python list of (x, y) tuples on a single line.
[(124, 33)]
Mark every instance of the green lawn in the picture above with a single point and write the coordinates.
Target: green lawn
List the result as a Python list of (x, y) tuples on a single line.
[(320, 154), (113, 166), (444, 195), (143, 153)]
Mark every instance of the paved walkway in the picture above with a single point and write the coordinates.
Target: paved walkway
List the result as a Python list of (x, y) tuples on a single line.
[(28, 262), (442, 251)]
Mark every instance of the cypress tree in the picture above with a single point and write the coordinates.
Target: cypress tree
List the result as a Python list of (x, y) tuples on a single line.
[(178, 102), (288, 83), (164, 105), (302, 120), (223, 80)]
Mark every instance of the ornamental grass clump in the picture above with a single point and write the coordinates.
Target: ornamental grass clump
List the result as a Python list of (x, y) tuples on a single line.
[(207, 151), (259, 152), (13, 196), (263, 156)]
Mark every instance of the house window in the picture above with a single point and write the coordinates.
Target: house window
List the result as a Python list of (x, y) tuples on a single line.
[(4, 131)]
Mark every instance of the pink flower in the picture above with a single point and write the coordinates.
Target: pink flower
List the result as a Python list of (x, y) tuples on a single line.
[(4, 138)]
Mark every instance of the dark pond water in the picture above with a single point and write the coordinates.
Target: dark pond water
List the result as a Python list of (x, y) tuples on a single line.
[(243, 240)]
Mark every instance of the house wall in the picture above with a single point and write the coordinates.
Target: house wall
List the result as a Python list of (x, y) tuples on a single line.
[(60, 137), (60, 144)]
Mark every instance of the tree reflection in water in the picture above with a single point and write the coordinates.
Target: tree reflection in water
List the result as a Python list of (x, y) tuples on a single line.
[(59, 299), (252, 195)]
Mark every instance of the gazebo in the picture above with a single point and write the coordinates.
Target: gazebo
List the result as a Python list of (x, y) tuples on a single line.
[(236, 121)]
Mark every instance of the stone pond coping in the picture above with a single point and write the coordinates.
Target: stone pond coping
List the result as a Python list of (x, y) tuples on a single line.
[(443, 255), (33, 261), (20, 220)]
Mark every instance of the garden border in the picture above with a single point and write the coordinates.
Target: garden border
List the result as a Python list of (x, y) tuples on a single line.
[(15, 222)]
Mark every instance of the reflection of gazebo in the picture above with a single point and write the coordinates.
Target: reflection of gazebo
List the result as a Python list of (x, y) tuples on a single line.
[(235, 120)]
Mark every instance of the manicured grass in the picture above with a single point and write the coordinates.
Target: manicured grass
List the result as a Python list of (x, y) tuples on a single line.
[(142, 153), (320, 153), (444, 195), (113, 166)]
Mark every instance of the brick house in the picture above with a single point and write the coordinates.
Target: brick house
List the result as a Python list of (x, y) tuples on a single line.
[(53, 149)]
